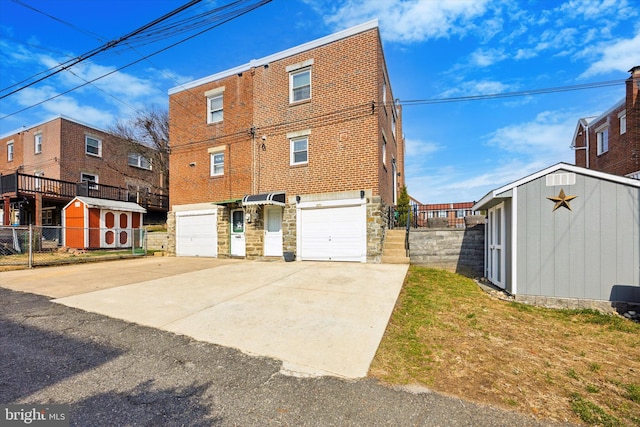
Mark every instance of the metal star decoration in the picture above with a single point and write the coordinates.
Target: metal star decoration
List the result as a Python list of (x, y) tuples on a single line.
[(562, 200)]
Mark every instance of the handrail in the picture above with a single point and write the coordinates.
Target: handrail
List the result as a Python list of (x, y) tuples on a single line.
[(68, 190)]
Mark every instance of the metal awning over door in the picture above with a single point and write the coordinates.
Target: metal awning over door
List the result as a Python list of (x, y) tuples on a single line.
[(277, 199)]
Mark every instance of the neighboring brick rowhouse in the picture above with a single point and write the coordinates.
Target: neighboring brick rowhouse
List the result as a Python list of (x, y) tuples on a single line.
[(61, 155), (622, 155), (352, 125)]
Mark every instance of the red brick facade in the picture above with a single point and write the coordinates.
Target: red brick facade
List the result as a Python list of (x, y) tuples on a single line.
[(344, 120), (315, 122), (62, 156), (621, 153)]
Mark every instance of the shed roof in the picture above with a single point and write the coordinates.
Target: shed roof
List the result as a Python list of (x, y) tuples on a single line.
[(494, 197), (115, 205)]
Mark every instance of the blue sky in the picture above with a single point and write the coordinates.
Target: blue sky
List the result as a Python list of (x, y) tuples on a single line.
[(435, 49)]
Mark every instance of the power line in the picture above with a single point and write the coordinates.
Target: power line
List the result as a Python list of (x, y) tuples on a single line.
[(106, 46), (568, 88), (236, 15)]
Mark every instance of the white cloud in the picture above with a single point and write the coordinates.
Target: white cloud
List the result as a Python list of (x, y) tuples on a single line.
[(65, 105), (417, 148), (545, 139), (476, 87), (410, 21), (487, 57), (619, 55)]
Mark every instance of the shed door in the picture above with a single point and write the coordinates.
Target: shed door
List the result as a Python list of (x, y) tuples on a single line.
[(495, 248), (333, 234), (196, 233), (115, 229)]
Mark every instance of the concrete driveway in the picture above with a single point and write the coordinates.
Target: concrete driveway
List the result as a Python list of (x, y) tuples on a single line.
[(317, 318)]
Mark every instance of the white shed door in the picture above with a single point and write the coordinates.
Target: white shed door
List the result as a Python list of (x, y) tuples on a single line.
[(333, 234), (196, 233)]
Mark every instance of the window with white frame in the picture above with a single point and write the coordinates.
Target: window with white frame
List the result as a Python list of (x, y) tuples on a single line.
[(92, 146), (602, 138), (300, 85), (10, 151), (37, 180), (393, 122), (37, 143), (139, 161), (623, 121), (92, 179), (460, 213), (442, 214), (217, 163), (299, 150), (384, 91), (384, 150), (216, 112)]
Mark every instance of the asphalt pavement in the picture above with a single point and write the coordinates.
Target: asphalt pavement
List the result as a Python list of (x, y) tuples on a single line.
[(112, 372)]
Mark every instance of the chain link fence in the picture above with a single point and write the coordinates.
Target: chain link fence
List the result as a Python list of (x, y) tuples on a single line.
[(50, 245)]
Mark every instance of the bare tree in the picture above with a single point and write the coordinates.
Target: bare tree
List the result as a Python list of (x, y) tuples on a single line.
[(146, 134)]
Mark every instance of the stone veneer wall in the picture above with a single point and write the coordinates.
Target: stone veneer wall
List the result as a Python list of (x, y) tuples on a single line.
[(455, 249), (376, 227), (171, 233), (224, 231), (254, 233), (158, 240)]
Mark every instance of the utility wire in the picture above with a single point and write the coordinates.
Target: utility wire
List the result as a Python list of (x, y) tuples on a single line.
[(236, 15), (106, 46), (593, 85)]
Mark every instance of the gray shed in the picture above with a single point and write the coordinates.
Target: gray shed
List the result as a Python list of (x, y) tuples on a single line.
[(565, 233)]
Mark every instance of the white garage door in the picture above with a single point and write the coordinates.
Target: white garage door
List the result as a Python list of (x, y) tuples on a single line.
[(196, 233), (333, 233)]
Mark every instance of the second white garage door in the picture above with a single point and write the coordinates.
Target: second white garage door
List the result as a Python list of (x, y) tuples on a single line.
[(196, 233), (334, 233)]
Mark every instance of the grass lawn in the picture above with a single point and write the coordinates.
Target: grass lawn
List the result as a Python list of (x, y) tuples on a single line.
[(447, 334)]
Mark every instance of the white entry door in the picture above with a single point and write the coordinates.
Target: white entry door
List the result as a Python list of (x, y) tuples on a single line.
[(272, 231), (496, 253), (238, 242)]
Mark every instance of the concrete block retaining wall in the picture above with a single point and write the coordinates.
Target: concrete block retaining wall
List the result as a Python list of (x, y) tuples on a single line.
[(455, 249)]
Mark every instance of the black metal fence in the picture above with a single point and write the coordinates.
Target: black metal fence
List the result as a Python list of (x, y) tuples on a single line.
[(425, 216)]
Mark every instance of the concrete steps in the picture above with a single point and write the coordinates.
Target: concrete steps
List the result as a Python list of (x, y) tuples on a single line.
[(393, 251)]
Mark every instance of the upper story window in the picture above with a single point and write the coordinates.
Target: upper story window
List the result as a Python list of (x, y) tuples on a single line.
[(215, 105), (10, 151), (217, 164), (300, 85), (384, 150), (393, 122), (92, 146), (384, 91), (299, 150), (216, 113), (623, 121), (139, 161), (37, 143), (92, 179), (602, 137)]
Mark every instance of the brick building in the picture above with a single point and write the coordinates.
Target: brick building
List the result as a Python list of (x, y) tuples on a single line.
[(611, 142), (300, 151), (44, 166)]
